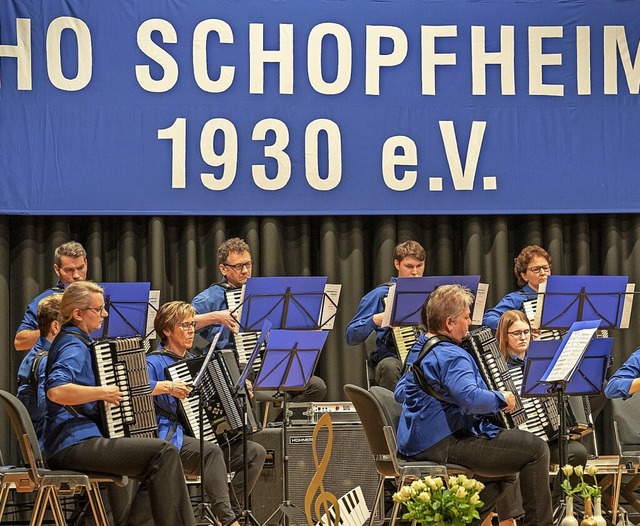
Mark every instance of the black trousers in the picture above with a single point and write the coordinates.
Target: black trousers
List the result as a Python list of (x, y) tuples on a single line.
[(496, 462), (152, 461), (218, 461)]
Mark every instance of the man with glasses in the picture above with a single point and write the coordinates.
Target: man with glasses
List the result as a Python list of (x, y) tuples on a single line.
[(531, 268), (409, 259), (70, 264), (212, 309)]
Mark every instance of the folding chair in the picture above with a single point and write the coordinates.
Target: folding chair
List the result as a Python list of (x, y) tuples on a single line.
[(379, 414), (50, 484), (626, 416)]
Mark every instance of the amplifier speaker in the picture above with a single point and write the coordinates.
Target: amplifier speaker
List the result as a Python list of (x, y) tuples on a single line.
[(350, 465)]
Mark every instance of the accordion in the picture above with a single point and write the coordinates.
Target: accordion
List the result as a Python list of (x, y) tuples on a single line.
[(122, 362), (404, 338), (538, 415), (244, 342), (483, 346), (223, 415)]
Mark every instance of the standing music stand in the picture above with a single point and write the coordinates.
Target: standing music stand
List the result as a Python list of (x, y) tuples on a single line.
[(287, 302), (407, 295), (288, 364), (240, 390), (203, 512), (126, 304), (561, 368), (563, 300)]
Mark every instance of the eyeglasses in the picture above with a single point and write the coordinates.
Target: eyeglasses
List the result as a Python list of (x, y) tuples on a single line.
[(538, 270), (187, 326), (520, 334), (240, 266), (97, 310)]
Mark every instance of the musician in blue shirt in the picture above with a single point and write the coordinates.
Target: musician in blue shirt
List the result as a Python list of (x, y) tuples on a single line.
[(626, 380), (70, 264), (30, 375), (72, 437), (175, 326), (514, 336), (531, 268), (445, 403), (409, 259), (212, 310)]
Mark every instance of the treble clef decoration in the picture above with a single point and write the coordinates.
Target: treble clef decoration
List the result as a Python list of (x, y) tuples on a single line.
[(325, 499)]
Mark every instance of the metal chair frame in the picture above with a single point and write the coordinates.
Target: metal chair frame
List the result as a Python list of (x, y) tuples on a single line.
[(377, 410), (48, 484)]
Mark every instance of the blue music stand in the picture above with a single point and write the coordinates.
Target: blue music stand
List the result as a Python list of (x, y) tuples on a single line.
[(287, 302), (567, 299), (248, 369), (288, 364), (585, 378), (127, 305), (411, 293)]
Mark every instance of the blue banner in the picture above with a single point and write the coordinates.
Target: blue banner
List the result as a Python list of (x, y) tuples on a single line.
[(304, 107)]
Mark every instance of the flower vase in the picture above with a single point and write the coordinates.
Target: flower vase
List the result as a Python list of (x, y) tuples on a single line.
[(588, 514), (597, 512), (569, 519)]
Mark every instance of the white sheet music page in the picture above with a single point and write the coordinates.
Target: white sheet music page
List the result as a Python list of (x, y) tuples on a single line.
[(628, 302), (329, 305), (571, 352), (154, 301), (480, 304), (537, 321), (388, 306)]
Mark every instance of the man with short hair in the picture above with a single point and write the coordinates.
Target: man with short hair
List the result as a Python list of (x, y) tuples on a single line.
[(409, 259), (234, 262), (31, 371), (70, 264)]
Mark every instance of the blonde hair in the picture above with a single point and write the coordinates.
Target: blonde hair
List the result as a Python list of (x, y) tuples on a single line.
[(506, 321), (447, 301), (77, 295), (169, 315)]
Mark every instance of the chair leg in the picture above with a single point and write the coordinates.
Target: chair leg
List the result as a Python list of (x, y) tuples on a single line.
[(376, 501), (40, 506), (4, 496), (56, 509), (97, 505)]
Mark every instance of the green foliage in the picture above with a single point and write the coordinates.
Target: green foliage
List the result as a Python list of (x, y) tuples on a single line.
[(431, 502)]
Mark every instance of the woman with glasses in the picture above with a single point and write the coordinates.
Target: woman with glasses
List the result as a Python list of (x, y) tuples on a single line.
[(72, 437), (531, 268), (514, 337), (175, 326)]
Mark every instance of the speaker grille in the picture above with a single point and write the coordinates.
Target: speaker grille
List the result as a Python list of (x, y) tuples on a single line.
[(350, 465)]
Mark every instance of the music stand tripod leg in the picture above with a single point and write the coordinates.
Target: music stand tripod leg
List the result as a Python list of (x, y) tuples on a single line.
[(246, 514), (203, 513)]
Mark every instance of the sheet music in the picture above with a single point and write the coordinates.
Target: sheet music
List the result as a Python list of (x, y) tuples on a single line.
[(628, 303), (154, 301), (388, 306), (480, 303), (537, 320), (571, 351), (329, 305)]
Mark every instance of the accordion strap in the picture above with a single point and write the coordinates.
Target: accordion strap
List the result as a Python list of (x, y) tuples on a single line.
[(417, 371)]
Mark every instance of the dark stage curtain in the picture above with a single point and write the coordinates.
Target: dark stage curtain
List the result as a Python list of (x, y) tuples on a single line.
[(177, 255)]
